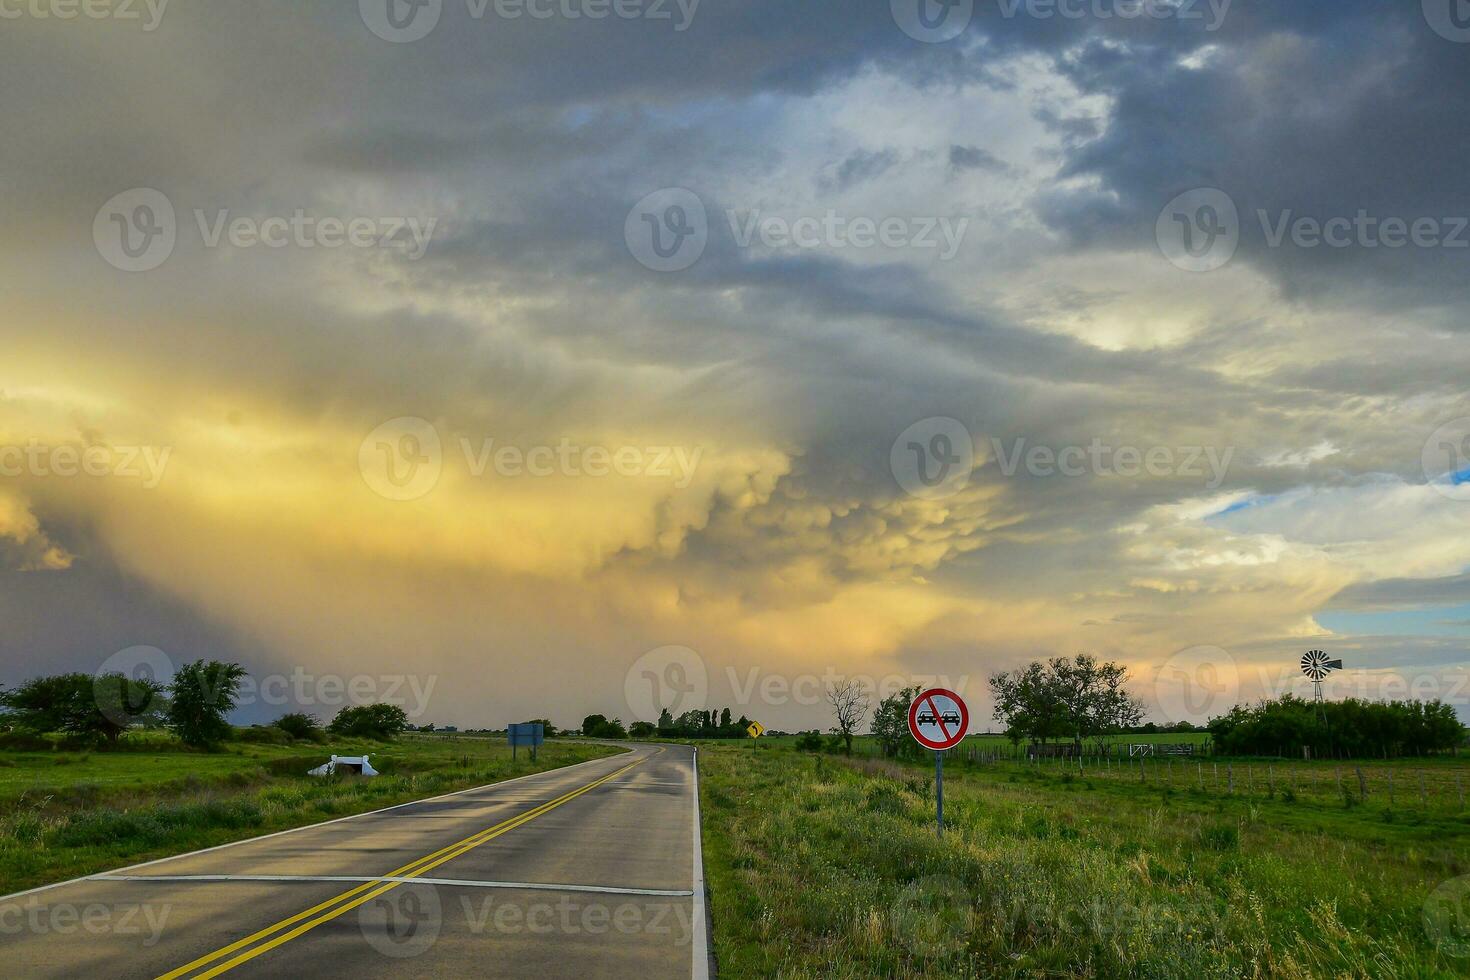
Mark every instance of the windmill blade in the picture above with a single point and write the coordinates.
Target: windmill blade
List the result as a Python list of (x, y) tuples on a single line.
[(1333, 664)]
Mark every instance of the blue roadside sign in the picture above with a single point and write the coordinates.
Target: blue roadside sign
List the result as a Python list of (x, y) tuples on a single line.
[(531, 733)]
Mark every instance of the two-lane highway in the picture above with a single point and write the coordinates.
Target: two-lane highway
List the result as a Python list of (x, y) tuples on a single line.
[(591, 870)]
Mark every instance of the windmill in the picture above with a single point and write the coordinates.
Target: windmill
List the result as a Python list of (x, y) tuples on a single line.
[(1316, 666)]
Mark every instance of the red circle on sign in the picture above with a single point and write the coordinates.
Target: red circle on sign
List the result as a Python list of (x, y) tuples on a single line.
[(938, 730)]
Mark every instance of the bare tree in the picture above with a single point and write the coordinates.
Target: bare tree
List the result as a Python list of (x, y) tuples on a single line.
[(849, 701)]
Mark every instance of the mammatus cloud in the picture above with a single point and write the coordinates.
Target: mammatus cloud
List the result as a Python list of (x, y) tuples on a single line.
[(228, 397)]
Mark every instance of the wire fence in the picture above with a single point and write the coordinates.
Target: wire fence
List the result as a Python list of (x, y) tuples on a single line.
[(1437, 785)]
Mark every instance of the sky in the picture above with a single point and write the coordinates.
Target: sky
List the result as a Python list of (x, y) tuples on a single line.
[(536, 358)]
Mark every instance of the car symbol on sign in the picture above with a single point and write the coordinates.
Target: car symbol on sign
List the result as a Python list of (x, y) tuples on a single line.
[(949, 718)]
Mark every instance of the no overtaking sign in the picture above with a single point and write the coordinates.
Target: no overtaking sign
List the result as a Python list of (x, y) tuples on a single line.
[(938, 720)]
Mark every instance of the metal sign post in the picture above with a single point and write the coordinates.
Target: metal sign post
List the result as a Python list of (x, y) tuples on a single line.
[(529, 733), (939, 789), (938, 720)]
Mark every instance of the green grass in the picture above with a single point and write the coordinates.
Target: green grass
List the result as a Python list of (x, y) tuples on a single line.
[(821, 867), (1001, 744), (64, 814)]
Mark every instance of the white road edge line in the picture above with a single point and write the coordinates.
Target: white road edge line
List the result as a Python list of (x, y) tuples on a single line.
[(310, 826), (468, 882), (701, 934)]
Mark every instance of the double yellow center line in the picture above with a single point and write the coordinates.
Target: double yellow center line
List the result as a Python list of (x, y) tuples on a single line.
[(305, 921)]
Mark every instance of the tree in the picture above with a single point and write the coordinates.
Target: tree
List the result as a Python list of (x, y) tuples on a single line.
[(1093, 697), (118, 703), (592, 723), (665, 720), (642, 729), (202, 693), (849, 701), (102, 706), (41, 704), (891, 720), (725, 718), (380, 721), (1064, 698), (301, 726)]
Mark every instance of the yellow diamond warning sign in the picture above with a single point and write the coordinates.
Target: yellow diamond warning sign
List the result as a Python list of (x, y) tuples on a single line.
[(756, 729)]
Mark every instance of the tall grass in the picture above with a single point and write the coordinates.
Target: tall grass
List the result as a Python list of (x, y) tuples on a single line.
[(57, 833), (820, 867)]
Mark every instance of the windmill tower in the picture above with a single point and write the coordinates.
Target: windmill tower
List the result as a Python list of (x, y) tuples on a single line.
[(1316, 666)]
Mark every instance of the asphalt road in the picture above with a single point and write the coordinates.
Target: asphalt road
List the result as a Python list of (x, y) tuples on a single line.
[(588, 871)]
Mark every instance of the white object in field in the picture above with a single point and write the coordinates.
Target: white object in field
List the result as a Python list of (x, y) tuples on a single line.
[(356, 765)]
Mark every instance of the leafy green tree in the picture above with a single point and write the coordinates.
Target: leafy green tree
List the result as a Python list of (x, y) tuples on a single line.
[(1077, 698), (120, 702), (380, 721), (642, 729), (202, 693), (300, 725), (100, 707), (725, 718), (665, 720), (42, 704), (1352, 728), (891, 721), (592, 723)]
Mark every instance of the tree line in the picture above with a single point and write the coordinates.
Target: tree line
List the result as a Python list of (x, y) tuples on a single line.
[(98, 708), (1352, 728)]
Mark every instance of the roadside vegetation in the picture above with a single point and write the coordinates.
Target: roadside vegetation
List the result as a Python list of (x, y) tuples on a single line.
[(822, 866), (68, 813)]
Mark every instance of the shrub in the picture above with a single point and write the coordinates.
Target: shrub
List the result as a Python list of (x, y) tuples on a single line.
[(301, 726), (380, 721)]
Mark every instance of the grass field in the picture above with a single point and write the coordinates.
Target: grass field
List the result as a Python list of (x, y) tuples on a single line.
[(64, 814), (820, 866), (1000, 744)]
